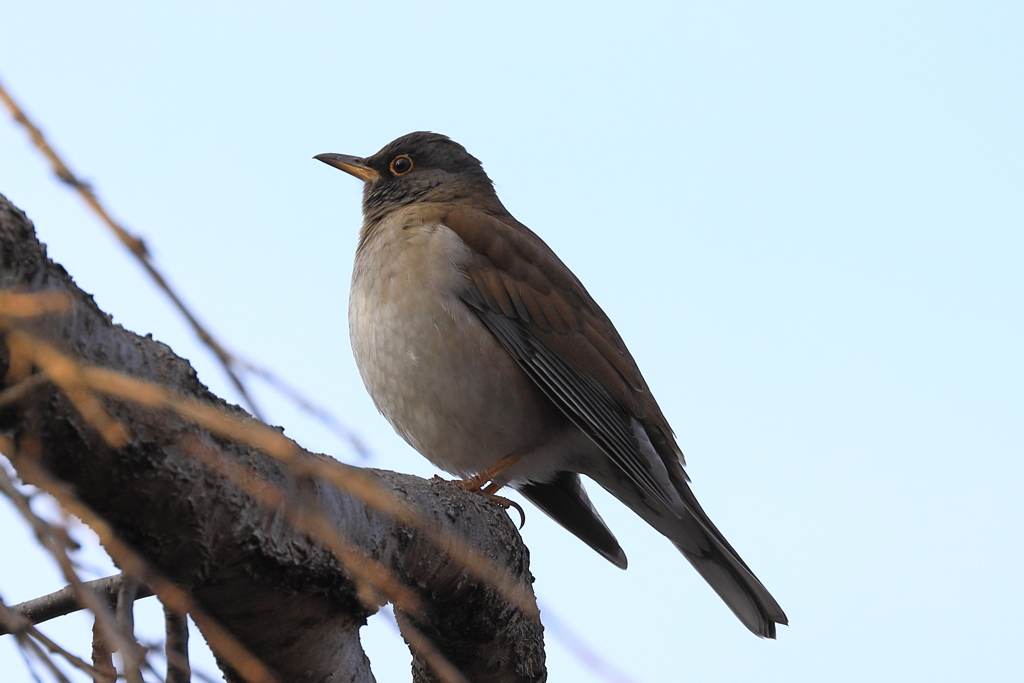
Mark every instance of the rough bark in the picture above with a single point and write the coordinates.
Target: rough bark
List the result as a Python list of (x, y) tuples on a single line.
[(285, 596)]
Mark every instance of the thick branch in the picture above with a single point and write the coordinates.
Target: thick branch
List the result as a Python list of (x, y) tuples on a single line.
[(285, 596)]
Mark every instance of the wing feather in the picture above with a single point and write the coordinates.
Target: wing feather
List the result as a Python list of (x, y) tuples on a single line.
[(549, 323)]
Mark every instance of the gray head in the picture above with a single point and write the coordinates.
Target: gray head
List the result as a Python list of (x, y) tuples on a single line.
[(418, 167)]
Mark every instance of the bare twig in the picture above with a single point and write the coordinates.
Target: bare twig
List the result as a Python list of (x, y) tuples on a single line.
[(58, 542), (126, 619), (230, 362), (15, 393), (134, 244), (102, 656), (176, 647), (63, 602), (317, 411), (27, 634), (21, 305), (30, 645), (372, 577), (219, 639)]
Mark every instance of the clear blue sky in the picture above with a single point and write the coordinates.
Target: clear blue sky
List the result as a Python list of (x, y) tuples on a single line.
[(805, 219)]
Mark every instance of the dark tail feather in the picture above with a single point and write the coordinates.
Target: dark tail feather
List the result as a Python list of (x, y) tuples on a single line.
[(725, 571), (740, 589), (566, 502), (705, 547)]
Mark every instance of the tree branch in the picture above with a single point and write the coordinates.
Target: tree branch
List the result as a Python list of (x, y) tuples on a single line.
[(287, 595), (62, 602)]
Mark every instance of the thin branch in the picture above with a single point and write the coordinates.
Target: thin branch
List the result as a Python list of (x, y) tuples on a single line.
[(63, 602), (219, 639), (176, 647), (32, 646), (57, 542), (317, 411), (27, 635), (125, 611), (102, 656), (135, 245)]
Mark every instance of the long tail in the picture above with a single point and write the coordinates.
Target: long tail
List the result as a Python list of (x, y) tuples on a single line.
[(700, 541), (721, 566)]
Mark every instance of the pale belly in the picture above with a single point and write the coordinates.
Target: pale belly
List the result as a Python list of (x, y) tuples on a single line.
[(436, 373)]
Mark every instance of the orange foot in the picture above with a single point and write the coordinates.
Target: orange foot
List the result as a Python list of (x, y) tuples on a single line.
[(477, 481), (475, 484)]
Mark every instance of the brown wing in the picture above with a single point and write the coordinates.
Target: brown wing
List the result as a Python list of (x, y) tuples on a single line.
[(543, 316)]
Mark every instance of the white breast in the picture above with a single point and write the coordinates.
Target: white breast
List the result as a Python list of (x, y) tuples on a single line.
[(432, 368)]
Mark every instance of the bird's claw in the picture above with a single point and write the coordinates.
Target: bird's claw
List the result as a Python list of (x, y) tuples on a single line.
[(473, 485), (507, 503)]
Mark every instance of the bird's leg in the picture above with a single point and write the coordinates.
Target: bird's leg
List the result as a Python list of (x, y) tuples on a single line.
[(477, 481)]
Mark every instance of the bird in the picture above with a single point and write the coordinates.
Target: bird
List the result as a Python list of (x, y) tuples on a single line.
[(489, 357)]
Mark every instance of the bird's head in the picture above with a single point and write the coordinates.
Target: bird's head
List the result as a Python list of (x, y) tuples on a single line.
[(418, 167)]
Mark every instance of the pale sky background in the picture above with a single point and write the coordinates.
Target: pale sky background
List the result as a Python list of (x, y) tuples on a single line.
[(805, 219)]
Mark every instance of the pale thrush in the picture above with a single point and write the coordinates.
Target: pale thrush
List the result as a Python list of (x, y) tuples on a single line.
[(488, 356)]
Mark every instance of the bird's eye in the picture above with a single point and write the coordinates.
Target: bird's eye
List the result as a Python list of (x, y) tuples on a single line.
[(401, 165)]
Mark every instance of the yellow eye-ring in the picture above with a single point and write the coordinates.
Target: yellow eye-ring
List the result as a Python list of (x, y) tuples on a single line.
[(401, 165)]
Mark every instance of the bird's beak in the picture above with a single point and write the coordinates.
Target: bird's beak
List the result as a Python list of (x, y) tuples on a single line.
[(352, 165)]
